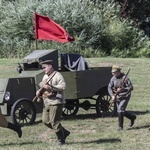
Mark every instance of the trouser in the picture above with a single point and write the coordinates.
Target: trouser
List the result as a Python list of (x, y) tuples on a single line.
[(122, 104), (121, 108), (3, 121), (5, 124), (52, 116)]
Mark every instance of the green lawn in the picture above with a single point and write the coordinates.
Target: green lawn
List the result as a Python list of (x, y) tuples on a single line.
[(87, 131)]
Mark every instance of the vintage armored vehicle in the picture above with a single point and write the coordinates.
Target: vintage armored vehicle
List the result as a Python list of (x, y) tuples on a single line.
[(84, 85)]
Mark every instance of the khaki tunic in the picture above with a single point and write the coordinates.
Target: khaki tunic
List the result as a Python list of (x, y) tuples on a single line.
[(58, 85)]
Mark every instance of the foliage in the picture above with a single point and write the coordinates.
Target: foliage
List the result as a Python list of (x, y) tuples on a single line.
[(132, 9), (96, 26)]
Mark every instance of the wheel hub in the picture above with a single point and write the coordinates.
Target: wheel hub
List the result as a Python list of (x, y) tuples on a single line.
[(70, 105), (23, 114)]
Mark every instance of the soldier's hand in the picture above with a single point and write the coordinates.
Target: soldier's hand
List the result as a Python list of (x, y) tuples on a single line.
[(47, 88), (113, 98), (119, 90), (38, 93)]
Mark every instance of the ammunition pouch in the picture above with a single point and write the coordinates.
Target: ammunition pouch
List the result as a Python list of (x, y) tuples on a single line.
[(59, 96)]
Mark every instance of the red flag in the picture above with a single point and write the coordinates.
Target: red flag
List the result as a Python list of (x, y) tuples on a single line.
[(47, 29)]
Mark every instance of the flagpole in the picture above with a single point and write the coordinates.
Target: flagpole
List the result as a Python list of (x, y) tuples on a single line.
[(36, 44), (35, 28)]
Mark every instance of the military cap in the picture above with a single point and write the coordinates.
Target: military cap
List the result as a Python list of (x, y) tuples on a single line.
[(46, 62), (115, 68)]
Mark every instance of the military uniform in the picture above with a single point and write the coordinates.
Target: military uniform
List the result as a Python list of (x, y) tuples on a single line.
[(123, 96), (5, 124), (54, 101), (53, 104)]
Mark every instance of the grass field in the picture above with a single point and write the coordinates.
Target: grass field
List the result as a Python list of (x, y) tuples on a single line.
[(87, 131)]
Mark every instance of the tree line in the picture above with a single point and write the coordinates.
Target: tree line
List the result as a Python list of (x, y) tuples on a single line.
[(100, 27)]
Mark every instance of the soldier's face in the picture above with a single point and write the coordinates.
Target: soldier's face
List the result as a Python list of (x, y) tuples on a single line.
[(47, 68), (117, 73)]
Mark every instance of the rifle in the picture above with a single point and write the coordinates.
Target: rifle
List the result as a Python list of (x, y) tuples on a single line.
[(41, 90), (120, 86)]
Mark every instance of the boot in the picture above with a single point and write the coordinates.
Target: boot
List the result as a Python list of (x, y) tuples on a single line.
[(60, 137), (131, 117), (120, 121), (16, 128), (66, 133)]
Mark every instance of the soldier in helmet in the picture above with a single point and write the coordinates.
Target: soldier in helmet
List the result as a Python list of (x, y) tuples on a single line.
[(5, 124), (123, 97), (53, 99)]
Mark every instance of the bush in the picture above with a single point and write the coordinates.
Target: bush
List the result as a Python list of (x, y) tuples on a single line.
[(96, 26)]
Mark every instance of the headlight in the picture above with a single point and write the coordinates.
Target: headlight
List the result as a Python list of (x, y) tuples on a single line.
[(7, 96)]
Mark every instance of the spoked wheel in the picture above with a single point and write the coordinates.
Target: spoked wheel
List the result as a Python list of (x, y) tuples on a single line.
[(23, 112), (71, 108), (103, 107)]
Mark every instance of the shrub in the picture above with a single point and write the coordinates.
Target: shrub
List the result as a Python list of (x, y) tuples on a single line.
[(96, 26)]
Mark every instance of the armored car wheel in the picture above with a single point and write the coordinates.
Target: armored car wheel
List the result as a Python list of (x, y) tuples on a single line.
[(71, 107), (23, 112), (102, 106)]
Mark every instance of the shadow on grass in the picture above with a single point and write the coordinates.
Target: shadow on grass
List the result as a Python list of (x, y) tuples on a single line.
[(86, 116), (93, 116), (140, 127), (141, 112), (37, 122), (99, 141), (80, 116), (22, 143), (76, 117)]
